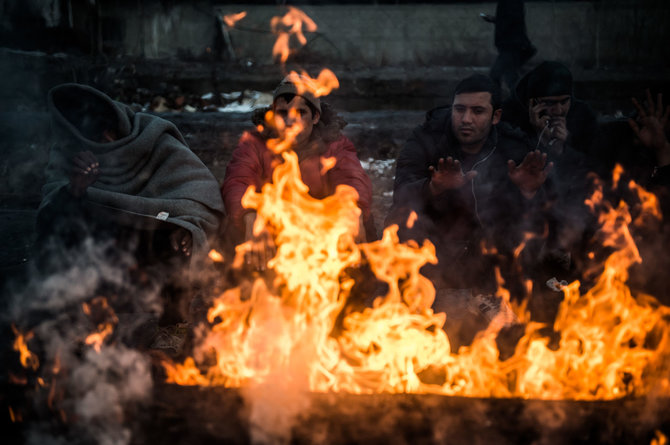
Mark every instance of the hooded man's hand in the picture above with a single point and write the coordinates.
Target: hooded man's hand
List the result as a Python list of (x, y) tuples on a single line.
[(84, 171)]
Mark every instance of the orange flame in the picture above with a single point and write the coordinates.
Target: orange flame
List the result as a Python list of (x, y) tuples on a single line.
[(611, 344), (215, 256), (659, 439), (294, 20), (231, 19), (411, 219), (322, 85), (98, 338), (649, 206), (616, 175), (14, 416), (327, 164), (28, 359), (99, 309)]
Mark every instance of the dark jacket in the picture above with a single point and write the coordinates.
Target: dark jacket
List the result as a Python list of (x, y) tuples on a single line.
[(490, 209)]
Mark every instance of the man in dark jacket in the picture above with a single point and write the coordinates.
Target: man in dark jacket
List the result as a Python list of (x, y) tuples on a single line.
[(544, 107), (473, 185), (563, 127)]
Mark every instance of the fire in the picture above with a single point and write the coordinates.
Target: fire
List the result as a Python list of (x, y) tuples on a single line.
[(296, 327), (411, 219), (611, 344), (659, 439), (327, 164), (215, 256), (100, 311), (28, 358), (231, 19), (322, 85), (294, 20)]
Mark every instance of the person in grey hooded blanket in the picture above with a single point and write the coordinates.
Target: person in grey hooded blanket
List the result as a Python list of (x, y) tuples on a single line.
[(114, 174)]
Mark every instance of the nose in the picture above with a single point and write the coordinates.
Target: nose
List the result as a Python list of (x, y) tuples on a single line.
[(467, 116)]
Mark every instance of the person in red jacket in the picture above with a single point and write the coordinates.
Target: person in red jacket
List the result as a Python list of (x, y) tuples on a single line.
[(320, 137)]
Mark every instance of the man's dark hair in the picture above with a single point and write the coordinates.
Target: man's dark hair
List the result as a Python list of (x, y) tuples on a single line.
[(480, 83)]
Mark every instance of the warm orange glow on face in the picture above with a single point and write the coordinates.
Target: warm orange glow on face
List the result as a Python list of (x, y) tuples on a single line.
[(231, 19), (28, 358), (291, 24)]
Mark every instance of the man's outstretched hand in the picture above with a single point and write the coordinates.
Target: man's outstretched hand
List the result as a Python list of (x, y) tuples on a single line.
[(448, 176), (84, 171), (649, 127), (531, 173)]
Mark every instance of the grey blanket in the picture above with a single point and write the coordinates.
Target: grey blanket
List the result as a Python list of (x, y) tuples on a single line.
[(147, 170)]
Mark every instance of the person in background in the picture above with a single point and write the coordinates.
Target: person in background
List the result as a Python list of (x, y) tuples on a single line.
[(475, 188), (127, 182), (320, 137)]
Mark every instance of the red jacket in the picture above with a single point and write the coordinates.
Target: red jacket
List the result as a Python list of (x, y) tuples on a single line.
[(252, 164)]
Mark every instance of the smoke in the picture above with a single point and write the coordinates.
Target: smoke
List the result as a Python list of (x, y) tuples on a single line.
[(274, 407), (84, 393)]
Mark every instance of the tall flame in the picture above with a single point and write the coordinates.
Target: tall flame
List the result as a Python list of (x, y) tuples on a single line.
[(611, 343)]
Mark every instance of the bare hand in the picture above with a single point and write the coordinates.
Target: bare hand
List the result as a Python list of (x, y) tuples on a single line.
[(531, 173), (649, 127), (538, 115), (262, 247), (84, 171), (181, 241), (448, 176), (557, 133)]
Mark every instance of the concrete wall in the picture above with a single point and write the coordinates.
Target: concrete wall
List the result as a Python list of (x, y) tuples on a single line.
[(588, 34)]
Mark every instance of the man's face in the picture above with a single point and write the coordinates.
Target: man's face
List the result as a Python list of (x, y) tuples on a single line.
[(472, 117), (553, 106), (295, 114)]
